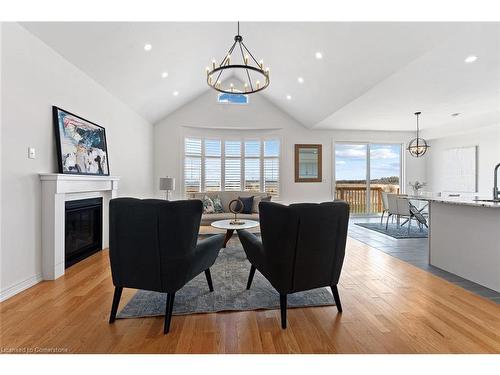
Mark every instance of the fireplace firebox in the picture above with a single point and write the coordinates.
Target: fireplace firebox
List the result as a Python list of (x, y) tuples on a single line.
[(83, 226)]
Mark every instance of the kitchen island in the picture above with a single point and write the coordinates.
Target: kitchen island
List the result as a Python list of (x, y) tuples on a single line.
[(464, 238)]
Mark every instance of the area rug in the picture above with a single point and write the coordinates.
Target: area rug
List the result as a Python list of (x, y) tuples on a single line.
[(397, 231), (229, 276)]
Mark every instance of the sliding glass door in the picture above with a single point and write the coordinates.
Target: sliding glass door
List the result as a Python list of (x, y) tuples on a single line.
[(385, 173), (363, 171), (351, 169)]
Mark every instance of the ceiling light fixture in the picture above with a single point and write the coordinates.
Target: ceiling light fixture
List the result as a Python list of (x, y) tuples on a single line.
[(318, 55), (148, 47), (417, 146), (470, 59), (248, 63), (164, 75), (300, 80), (289, 97), (175, 93)]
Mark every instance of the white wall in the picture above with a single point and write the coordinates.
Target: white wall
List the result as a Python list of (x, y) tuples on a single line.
[(488, 141), (203, 114), (34, 78)]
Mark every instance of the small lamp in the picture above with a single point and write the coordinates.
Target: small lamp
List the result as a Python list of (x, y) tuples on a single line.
[(168, 184)]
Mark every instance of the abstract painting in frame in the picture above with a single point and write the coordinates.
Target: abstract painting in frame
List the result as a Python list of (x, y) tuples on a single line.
[(81, 145)]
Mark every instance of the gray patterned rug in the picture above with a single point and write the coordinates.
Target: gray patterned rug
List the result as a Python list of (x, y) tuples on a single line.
[(229, 276), (397, 231)]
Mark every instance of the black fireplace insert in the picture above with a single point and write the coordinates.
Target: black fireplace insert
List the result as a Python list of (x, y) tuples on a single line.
[(83, 229)]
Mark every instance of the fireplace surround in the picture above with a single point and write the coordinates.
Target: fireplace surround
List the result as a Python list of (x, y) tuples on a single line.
[(57, 189)]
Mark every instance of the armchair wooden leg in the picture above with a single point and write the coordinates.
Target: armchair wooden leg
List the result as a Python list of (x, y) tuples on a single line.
[(168, 312), (209, 279), (116, 302), (250, 277), (283, 310), (336, 297)]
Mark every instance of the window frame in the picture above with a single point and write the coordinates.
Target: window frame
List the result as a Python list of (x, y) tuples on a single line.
[(242, 158)]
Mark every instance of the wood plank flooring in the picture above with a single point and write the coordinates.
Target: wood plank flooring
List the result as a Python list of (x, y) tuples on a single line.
[(389, 307)]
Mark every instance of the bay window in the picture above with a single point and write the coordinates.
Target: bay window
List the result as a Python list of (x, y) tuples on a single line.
[(231, 165)]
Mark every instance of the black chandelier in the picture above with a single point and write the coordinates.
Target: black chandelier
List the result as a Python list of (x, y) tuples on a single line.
[(215, 74), (417, 146)]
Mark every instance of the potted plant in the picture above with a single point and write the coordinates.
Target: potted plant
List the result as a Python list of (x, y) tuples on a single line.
[(416, 186)]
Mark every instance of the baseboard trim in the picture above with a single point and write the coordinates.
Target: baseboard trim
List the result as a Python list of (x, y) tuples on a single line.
[(19, 287)]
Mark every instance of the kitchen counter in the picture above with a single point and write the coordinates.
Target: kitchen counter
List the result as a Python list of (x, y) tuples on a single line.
[(464, 238), (462, 201)]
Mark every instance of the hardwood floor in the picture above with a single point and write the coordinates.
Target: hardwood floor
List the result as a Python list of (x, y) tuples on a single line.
[(389, 307)]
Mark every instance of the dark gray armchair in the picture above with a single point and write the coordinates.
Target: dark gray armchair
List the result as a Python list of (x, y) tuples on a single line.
[(153, 246), (302, 247)]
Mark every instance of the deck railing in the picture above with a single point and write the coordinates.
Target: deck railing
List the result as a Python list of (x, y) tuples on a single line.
[(356, 197)]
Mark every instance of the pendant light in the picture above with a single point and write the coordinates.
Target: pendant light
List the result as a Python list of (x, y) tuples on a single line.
[(417, 146)]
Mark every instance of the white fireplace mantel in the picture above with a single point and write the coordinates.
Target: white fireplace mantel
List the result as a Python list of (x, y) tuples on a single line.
[(56, 190)]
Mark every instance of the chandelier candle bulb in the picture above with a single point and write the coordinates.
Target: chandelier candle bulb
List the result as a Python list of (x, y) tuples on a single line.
[(261, 64), (257, 84), (246, 59), (228, 60), (213, 64)]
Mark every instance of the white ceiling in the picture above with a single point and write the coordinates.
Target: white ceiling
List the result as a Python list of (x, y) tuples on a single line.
[(373, 76)]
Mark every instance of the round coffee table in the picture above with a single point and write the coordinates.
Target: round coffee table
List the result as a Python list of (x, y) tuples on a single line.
[(230, 228)]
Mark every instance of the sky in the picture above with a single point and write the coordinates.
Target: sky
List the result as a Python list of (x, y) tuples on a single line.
[(350, 161)]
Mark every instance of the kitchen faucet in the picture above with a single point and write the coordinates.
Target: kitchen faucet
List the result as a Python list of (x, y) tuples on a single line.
[(496, 195)]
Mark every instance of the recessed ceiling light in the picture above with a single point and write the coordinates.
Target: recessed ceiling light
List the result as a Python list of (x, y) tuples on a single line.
[(147, 47), (470, 59), (300, 80), (318, 55), (289, 97), (455, 114), (164, 75), (175, 93)]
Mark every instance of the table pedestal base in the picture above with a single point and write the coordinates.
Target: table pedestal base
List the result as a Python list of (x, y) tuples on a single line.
[(229, 234)]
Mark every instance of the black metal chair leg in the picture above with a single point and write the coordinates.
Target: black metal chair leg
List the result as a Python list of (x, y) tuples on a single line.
[(116, 302), (387, 222), (209, 279), (336, 297), (250, 277), (168, 312), (283, 310), (382, 218)]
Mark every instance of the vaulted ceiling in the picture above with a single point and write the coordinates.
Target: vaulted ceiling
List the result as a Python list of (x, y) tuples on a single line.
[(372, 76)]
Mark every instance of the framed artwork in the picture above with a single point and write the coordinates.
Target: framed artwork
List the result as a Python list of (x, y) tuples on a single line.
[(308, 167), (81, 144)]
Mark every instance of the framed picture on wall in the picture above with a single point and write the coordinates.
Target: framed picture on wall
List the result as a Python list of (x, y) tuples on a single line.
[(81, 144), (308, 166)]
